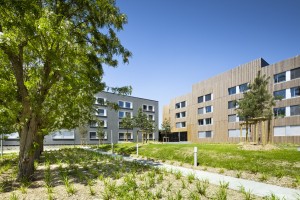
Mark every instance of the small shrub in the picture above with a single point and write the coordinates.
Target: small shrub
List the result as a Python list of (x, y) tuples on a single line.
[(191, 178), (239, 174), (201, 187), (263, 177), (221, 171), (178, 175)]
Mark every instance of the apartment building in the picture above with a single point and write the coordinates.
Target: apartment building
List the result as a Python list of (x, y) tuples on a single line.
[(208, 114), (110, 119)]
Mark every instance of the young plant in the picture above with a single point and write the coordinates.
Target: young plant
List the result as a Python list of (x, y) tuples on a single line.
[(247, 194), (13, 196), (191, 177), (201, 187), (178, 175)]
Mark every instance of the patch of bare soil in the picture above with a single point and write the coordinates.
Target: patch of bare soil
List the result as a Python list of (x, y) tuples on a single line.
[(256, 147)]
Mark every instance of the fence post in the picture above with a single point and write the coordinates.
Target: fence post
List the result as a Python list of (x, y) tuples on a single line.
[(195, 156)]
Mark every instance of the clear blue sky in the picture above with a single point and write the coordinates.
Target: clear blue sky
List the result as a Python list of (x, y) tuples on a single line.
[(176, 43)]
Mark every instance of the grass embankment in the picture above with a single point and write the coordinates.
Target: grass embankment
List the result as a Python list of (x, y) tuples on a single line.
[(80, 174), (278, 163)]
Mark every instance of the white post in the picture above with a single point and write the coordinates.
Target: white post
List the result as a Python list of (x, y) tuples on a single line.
[(137, 149), (195, 156), (112, 142)]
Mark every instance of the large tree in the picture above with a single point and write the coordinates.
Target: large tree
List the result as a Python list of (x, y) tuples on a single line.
[(257, 102), (51, 54)]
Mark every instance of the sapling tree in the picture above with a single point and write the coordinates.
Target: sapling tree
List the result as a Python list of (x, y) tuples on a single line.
[(127, 123), (257, 101), (140, 122), (166, 126), (51, 55)]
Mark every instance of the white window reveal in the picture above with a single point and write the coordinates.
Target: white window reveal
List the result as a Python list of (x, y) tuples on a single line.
[(63, 134)]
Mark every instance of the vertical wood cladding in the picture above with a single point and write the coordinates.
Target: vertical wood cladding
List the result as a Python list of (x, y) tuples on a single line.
[(218, 86)]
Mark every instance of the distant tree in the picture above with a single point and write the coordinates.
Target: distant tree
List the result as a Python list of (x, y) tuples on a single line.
[(51, 55), (83, 131), (127, 123), (149, 129), (257, 101), (166, 126), (140, 122), (100, 131)]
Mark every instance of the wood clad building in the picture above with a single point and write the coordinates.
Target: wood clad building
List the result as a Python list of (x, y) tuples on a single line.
[(208, 114)]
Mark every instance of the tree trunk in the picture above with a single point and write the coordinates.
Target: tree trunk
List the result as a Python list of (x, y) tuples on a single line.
[(40, 148), (246, 131), (27, 151)]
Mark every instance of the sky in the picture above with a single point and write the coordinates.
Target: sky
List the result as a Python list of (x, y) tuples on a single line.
[(177, 43)]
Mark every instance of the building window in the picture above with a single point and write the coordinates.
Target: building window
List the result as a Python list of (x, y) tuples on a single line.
[(231, 104), (180, 115), (94, 136), (231, 118), (201, 122), (243, 88), (280, 94), (205, 134), (122, 114), (148, 108), (295, 92), (208, 97), (279, 77), (180, 105), (100, 101), (208, 109), (200, 111), (295, 110), (100, 112), (200, 99), (234, 133), (295, 73), (63, 134), (232, 90), (208, 121), (123, 136), (279, 112), (125, 104), (94, 124), (180, 125), (151, 117)]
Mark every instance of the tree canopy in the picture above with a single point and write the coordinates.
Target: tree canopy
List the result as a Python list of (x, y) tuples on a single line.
[(52, 54), (257, 101)]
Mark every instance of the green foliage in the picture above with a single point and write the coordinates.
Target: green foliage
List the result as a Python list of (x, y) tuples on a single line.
[(226, 156), (52, 55), (257, 101), (166, 126)]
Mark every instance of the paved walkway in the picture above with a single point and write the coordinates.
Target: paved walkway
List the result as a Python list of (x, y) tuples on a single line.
[(257, 188)]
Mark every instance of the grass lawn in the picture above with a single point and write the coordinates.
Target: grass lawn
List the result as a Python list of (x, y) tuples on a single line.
[(80, 174), (284, 161)]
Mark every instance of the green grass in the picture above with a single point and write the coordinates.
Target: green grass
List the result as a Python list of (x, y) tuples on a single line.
[(282, 161)]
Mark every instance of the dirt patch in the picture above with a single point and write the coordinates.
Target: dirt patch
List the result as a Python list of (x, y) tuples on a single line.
[(255, 147)]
